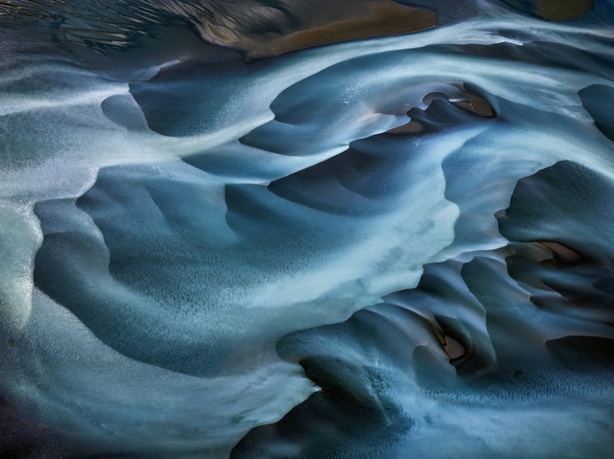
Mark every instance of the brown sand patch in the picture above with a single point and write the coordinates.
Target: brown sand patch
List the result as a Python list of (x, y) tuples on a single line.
[(477, 105), (563, 253), (453, 348), (554, 10), (270, 31), (413, 127)]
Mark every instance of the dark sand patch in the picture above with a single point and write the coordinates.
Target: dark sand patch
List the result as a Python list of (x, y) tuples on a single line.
[(453, 348), (270, 31), (553, 10), (413, 127)]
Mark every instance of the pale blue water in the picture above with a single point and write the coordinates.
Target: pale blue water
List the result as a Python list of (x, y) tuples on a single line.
[(205, 257)]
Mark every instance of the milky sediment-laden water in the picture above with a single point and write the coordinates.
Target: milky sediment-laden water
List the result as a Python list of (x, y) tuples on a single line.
[(306, 229)]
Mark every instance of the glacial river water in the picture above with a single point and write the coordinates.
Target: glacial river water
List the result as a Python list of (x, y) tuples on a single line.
[(306, 229)]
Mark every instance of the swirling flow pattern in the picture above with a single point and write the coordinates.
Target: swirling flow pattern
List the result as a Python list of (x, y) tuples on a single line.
[(306, 229)]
